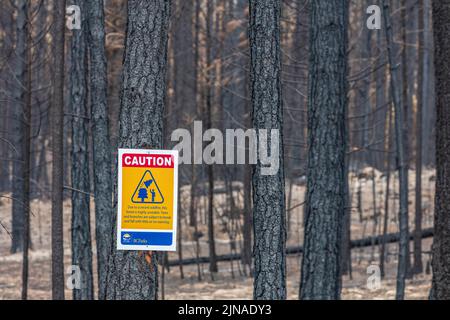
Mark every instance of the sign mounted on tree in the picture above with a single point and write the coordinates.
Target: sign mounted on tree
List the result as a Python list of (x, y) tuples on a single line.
[(147, 199)]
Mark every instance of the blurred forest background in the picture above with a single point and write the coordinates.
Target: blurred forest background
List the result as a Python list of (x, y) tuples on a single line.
[(208, 78)]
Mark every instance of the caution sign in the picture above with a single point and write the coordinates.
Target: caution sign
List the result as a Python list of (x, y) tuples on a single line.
[(147, 199)]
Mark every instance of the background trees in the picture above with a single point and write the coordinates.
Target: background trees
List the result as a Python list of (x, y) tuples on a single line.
[(214, 72)]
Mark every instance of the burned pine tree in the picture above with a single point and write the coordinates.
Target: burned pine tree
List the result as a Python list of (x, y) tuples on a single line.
[(325, 198), (19, 124), (403, 255), (100, 138), (81, 233), (57, 129), (267, 113), (440, 289), (134, 274)]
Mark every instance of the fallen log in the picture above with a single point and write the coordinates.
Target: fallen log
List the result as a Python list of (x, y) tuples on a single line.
[(357, 243)]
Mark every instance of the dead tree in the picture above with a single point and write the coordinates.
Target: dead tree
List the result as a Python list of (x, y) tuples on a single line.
[(401, 160), (57, 122), (134, 274), (440, 289), (325, 195), (268, 190)]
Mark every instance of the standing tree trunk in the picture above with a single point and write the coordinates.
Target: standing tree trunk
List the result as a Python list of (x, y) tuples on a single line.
[(19, 95), (247, 231), (247, 224), (100, 139), (209, 114), (26, 148), (134, 274), (418, 266), (441, 242), (57, 114), (267, 113), (388, 148), (402, 161), (325, 198), (81, 231), (405, 109), (6, 16)]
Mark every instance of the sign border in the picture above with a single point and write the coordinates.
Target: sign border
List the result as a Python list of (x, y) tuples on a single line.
[(119, 244)]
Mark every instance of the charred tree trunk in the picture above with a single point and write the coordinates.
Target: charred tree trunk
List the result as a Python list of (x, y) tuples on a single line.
[(401, 160), (388, 150), (325, 198), (100, 139), (418, 266), (26, 148), (209, 113), (19, 95), (441, 243), (57, 112), (143, 93), (81, 232), (268, 190)]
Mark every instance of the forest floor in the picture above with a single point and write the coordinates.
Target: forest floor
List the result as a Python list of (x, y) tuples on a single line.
[(230, 282)]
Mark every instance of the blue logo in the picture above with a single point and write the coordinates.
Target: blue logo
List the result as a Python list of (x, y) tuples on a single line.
[(126, 238)]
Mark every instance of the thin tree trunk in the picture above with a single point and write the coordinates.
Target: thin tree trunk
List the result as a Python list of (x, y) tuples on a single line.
[(418, 266), (81, 231), (247, 224), (6, 16), (180, 238), (247, 227), (18, 129), (387, 192), (402, 161), (26, 148), (268, 190), (406, 112), (210, 170), (374, 212), (100, 139), (325, 197), (57, 112), (134, 274)]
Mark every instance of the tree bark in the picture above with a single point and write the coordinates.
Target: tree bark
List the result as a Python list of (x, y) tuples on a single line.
[(19, 95), (81, 231), (143, 93), (388, 148), (26, 147), (418, 266), (441, 243), (57, 114), (209, 114), (100, 139), (401, 160), (268, 190), (325, 198)]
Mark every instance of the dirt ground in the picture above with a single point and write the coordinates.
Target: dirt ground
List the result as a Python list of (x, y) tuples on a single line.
[(231, 282)]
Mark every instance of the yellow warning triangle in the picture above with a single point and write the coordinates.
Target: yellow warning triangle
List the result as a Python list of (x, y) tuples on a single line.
[(147, 190)]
